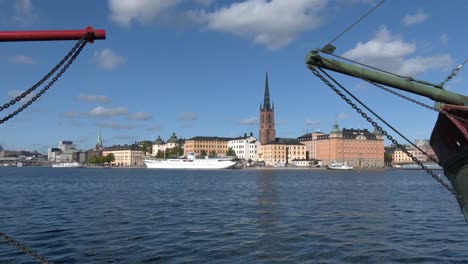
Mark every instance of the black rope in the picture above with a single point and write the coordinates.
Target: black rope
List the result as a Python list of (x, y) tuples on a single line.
[(355, 23)]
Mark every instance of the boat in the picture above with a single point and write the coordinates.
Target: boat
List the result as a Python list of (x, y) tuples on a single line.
[(339, 166), (190, 162), (67, 165), (432, 166), (449, 138)]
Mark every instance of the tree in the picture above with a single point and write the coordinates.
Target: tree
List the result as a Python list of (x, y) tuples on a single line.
[(109, 158), (231, 153), (388, 158), (160, 154), (213, 154), (203, 153), (146, 146)]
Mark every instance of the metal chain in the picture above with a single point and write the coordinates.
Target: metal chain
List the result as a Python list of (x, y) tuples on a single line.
[(412, 99), (47, 76), (389, 137), (82, 43), (25, 249), (67, 60), (381, 119)]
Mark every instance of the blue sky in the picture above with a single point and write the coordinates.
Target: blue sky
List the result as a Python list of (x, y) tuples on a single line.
[(197, 67)]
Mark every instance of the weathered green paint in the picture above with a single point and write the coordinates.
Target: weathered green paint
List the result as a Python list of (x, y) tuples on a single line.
[(313, 59), (459, 180)]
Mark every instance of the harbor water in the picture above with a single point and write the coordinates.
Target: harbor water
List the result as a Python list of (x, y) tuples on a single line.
[(82, 215)]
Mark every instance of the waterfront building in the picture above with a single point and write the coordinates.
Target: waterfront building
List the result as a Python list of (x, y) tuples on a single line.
[(267, 132), (66, 152), (246, 147), (160, 145), (400, 157), (358, 147), (310, 141), (126, 155), (282, 151), (200, 144)]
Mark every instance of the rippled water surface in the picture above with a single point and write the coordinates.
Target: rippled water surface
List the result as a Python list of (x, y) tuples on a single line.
[(229, 216)]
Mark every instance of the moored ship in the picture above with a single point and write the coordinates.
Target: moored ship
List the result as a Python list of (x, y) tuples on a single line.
[(67, 165), (190, 162)]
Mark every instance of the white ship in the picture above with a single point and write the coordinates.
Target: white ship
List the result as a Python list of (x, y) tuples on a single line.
[(339, 166), (190, 163), (66, 165)]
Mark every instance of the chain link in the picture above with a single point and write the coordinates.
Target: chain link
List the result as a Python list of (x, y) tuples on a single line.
[(65, 62), (389, 137), (25, 249), (71, 56), (412, 99)]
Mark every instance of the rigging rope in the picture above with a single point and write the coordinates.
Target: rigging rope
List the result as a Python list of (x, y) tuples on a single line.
[(389, 137), (378, 117), (355, 23)]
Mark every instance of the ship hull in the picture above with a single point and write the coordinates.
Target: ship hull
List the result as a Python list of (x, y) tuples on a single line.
[(189, 164), (449, 140)]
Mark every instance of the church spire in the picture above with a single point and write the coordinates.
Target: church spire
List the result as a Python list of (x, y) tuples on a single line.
[(266, 98), (99, 140)]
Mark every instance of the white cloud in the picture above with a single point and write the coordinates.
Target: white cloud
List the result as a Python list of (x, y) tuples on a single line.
[(154, 128), (100, 111), (24, 12), (310, 122), (274, 23), (187, 116), (114, 125), (391, 53), (108, 60), (444, 39), (15, 93), (94, 98), (417, 18), (342, 116), (124, 12), (249, 121), (141, 116), (22, 59), (71, 115)]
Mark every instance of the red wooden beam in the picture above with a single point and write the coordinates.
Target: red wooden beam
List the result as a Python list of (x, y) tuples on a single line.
[(46, 35)]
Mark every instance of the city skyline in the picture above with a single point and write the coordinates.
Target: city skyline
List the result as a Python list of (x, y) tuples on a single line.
[(191, 69)]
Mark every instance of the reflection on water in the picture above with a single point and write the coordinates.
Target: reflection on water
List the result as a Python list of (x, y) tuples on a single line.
[(229, 216)]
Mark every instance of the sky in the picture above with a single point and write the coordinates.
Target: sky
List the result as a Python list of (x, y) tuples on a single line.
[(197, 67)]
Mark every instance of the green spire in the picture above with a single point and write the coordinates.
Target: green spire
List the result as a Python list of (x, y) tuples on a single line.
[(99, 140), (335, 129)]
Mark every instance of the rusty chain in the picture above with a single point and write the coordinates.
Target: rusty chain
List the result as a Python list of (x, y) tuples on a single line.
[(380, 129), (69, 58), (25, 249)]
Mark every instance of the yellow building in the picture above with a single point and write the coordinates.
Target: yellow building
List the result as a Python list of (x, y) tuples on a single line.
[(400, 157), (126, 155), (282, 151), (199, 144)]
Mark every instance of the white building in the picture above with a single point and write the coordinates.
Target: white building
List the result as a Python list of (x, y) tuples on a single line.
[(160, 145), (246, 147)]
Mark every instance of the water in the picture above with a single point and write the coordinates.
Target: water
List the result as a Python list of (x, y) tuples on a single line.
[(229, 216)]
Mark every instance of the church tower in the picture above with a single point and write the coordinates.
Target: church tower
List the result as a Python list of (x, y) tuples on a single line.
[(99, 141), (267, 132)]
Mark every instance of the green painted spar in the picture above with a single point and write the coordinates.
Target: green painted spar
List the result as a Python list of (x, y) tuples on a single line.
[(449, 138), (313, 59)]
